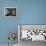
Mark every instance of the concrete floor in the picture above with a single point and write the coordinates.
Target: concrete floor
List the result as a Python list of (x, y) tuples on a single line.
[(7, 45), (28, 43), (32, 43)]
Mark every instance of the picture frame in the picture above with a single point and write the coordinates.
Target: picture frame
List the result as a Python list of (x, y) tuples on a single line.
[(38, 30), (10, 11)]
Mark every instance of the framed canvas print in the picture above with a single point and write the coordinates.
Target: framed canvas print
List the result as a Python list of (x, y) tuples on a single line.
[(32, 32), (10, 11)]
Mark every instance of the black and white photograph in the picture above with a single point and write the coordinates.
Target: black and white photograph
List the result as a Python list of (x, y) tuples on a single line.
[(10, 11)]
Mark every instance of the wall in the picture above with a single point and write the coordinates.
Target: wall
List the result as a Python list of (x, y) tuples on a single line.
[(28, 12), (7, 24), (33, 12)]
